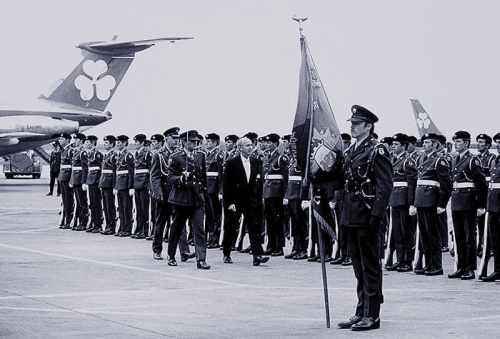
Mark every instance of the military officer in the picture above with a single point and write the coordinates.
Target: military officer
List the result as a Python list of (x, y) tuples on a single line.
[(402, 200), (63, 178), (275, 185), (468, 200), (142, 163), (94, 158), (156, 145), (107, 183), (431, 197), (493, 208), (368, 185), (487, 163), (79, 171), (55, 166), (443, 217), (124, 185), (230, 143), (187, 173), (215, 162)]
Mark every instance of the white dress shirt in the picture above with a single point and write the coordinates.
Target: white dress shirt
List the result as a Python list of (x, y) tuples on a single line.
[(246, 166)]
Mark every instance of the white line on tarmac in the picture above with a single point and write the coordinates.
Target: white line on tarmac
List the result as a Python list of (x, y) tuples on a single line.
[(175, 277), (33, 230)]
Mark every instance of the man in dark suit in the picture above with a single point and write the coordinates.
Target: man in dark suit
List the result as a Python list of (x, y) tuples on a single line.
[(55, 164), (242, 192)]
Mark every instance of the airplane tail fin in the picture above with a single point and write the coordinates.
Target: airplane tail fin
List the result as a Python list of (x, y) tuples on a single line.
[(423, 120), (95, 79)]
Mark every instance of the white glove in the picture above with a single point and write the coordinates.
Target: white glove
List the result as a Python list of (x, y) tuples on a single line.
[(84, 187), (480, 212), (70, 185), (131, 192), (412, 210), (440, 210), (220, 197), (305, 204), (115, 191), (332, 204), (232, 207), (285, 202)]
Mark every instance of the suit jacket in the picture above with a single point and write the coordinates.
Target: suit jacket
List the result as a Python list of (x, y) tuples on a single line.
[(55, 161), (244, 194)]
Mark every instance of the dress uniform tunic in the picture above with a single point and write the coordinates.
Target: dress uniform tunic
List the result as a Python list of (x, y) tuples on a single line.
[(493, 209), (79, 171), (487, 163), (295, 194), (123, 184), (66, 190), (106, 184), (141, 187), (95, 198), (215, 162)]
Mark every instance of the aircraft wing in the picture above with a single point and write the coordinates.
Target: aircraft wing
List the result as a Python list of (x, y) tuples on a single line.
[(20, 135)]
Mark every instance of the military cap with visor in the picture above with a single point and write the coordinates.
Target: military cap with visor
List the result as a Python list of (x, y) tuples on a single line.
[(362, 114), (464, 135), (484, 137)]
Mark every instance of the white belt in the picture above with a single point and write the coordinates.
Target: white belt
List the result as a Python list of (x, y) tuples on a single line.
[(488, 178), (94, 168), (76, 168), (139, 171), (463, 185), (400, 184), (65, 166), (424, 182), (295, 178), (494, 185), (212, 174), (273, 177), (122, 172), (107, 171)]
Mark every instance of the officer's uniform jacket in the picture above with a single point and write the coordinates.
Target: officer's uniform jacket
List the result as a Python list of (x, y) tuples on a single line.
[(493, 199), (368, 183), (94, 166), (434, 181), (275, 175), (296, 189), (231, 154), (124, 170), (160, 187), (416, 156), (108, 171), (65, 169), (142, 165), (487, 163), (189, 193), (79, 166), (469, 183), (215, 164), (404, 180)]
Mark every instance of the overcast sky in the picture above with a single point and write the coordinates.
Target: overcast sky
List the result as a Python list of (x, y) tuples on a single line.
[(240, 73)]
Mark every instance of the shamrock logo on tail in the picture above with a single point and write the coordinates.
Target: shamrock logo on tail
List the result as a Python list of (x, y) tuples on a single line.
[(423, 120), (94, 81)]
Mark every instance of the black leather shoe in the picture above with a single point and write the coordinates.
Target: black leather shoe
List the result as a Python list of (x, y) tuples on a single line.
[(88, 230), (347, 262), (456, 275), (393, 267), (300, 256), (150, 237), (327, 259), (277, 253), (107, 232), (228, 260), (349, 322), (268, 252), (49, 194), (157, 256), (366, 324), (187, 256), (313, 258), (420, 270), (139, 236), (468, 276), (404, 268), (246, 250), (202, 265), (260, 260), (291, 255), (434, 271), (124, 234), (492, 277), (172, 262), (96, 230), (337, 261)]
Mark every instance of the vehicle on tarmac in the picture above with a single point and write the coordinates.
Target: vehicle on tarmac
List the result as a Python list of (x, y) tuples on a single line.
[(22, 164)]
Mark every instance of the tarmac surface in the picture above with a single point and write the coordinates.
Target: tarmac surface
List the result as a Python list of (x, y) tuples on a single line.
[(63, 284)]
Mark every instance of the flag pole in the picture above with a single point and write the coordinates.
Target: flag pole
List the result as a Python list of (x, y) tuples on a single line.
[(312, 201)]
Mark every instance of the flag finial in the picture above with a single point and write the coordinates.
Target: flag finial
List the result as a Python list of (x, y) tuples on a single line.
[(299, 21)]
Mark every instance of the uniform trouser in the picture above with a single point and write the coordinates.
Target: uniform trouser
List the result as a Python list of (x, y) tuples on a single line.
[(82, 206), (213, 217), (125, 211), (326, 213), (286, 223), (253, 223), (53, 178), (95, 202), (494, 227), (480, 230), (341, 236), (68, 202), (430, 235), (298, 219), (364, 247), (443, 228), (195, 216), (464, 230), (401, 234), (109, 208), (142, 211), (163, 215), (274, 219)]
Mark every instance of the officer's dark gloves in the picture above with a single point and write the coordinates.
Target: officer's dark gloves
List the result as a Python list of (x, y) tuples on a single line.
[(375, 221)]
